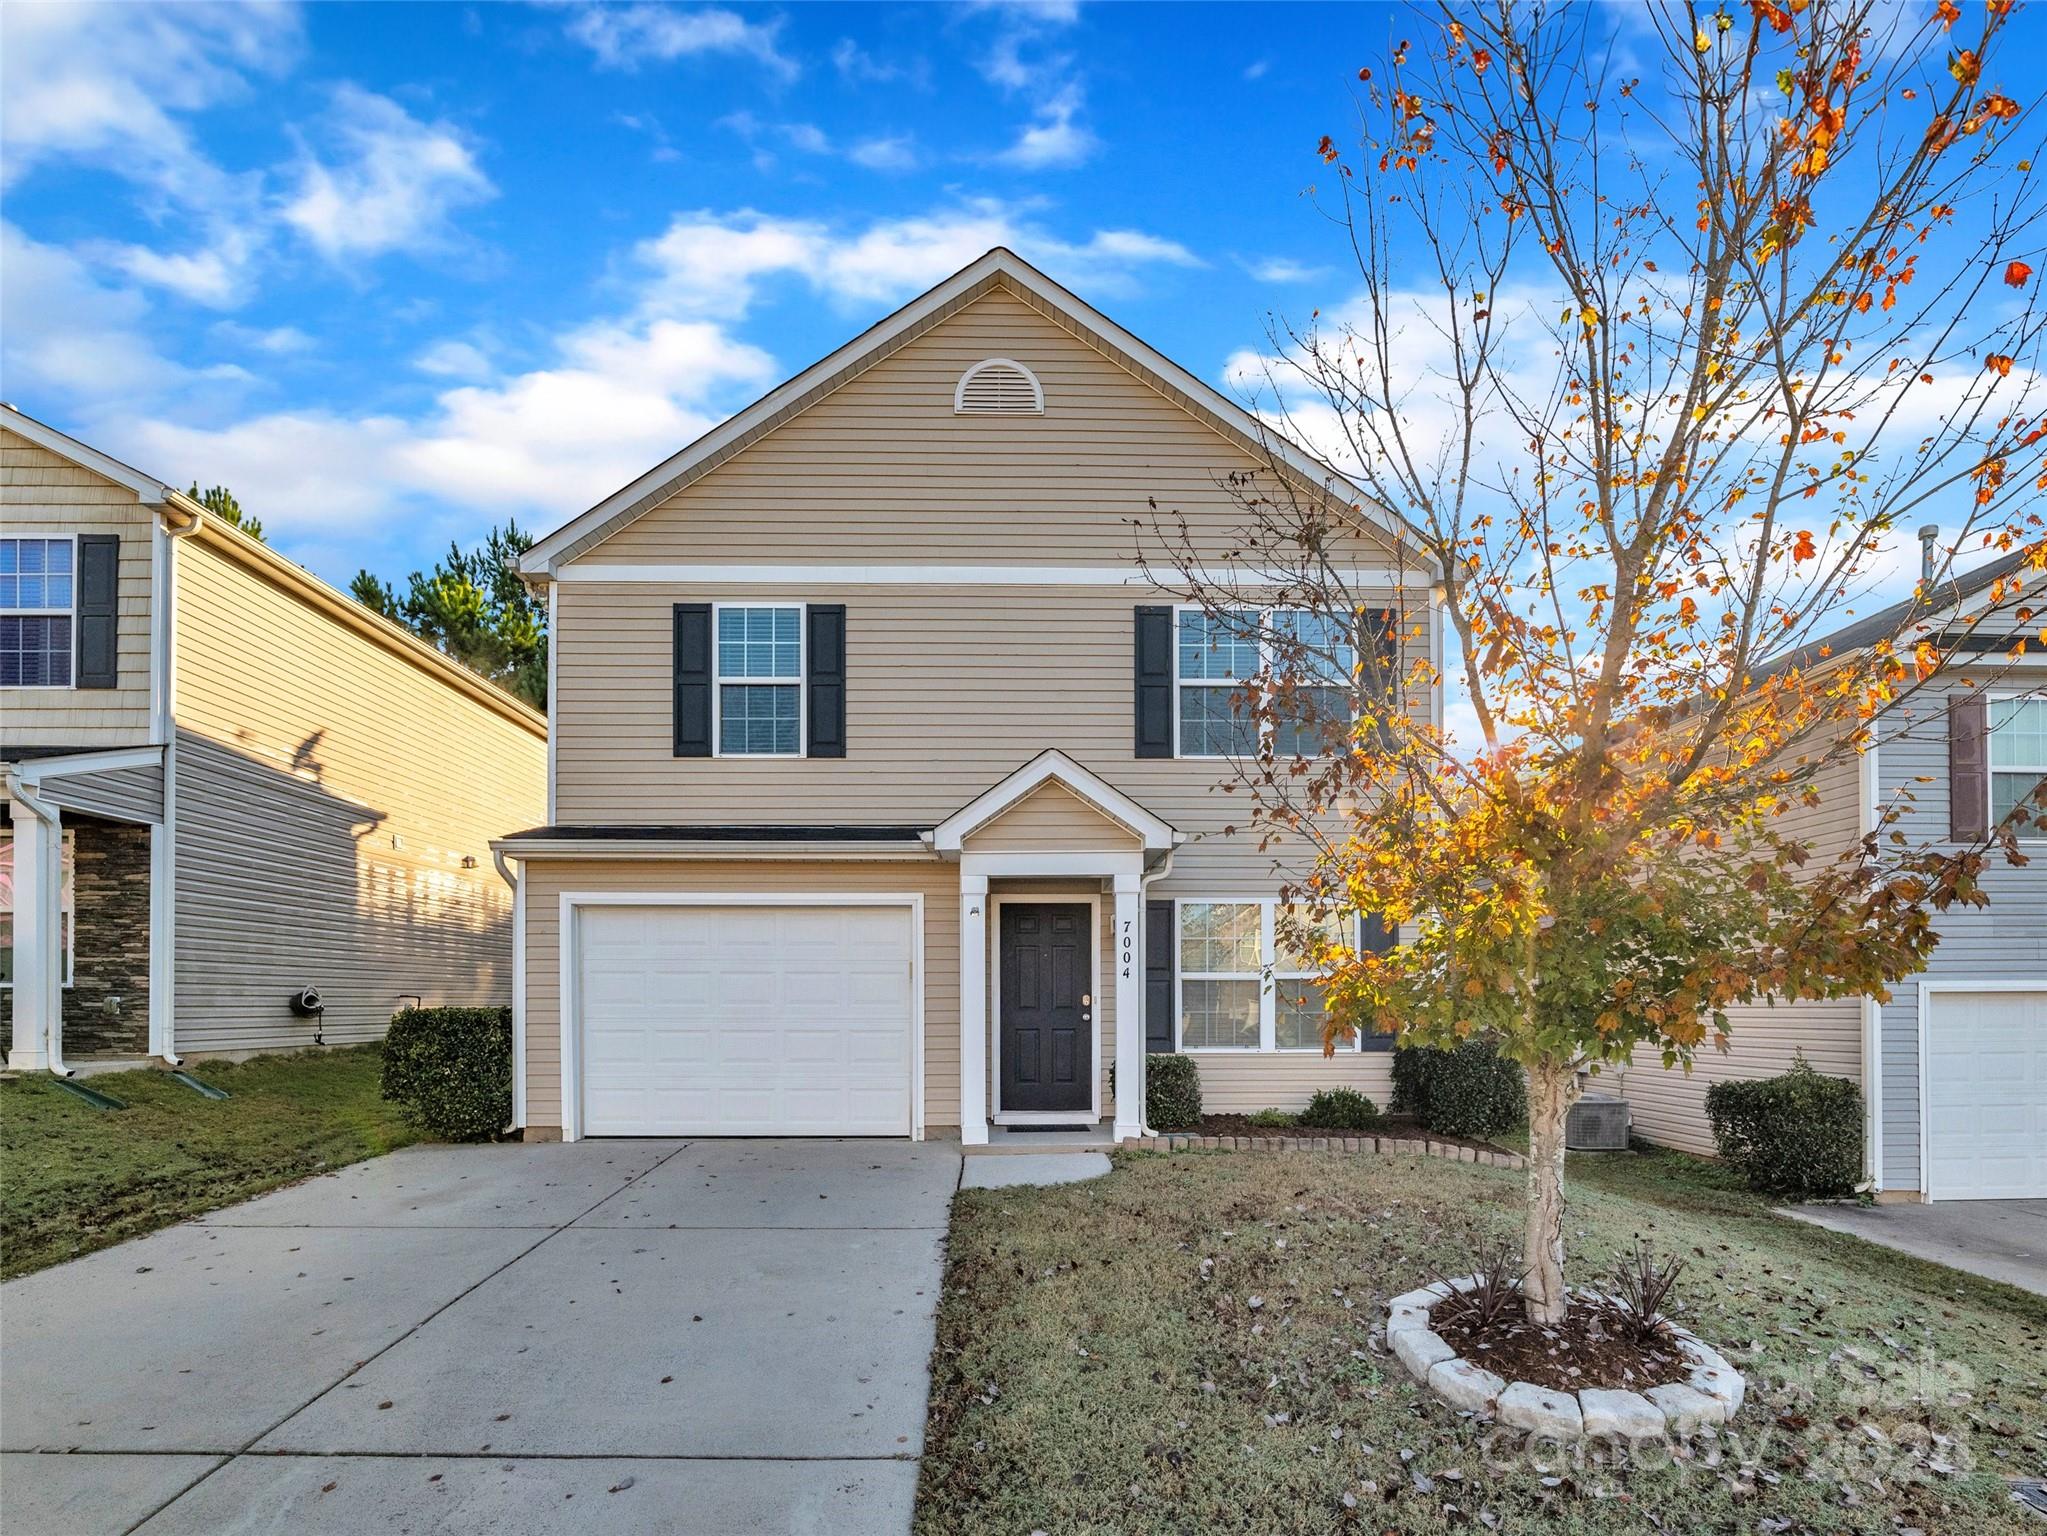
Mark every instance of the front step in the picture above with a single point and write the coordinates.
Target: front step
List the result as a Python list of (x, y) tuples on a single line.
[(1011, 1140)]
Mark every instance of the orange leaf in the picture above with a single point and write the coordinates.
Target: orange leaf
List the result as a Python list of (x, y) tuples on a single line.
[(2017, 273)]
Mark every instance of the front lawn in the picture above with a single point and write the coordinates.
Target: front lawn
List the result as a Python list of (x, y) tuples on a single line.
[(74, 1178), (1094, 1374)]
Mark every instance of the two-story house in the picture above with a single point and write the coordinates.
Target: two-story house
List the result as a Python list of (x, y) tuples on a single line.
[(1953, 1064), (884, 784), (223, 785)]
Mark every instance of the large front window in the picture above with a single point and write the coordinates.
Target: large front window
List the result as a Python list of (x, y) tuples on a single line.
[(760, 681), (2018, 756), (66, 906), (1216, 654), (38, 586), (1243, 986)]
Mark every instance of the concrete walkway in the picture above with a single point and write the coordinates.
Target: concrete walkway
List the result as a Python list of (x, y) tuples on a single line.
[(639, 1336), (1997, 1239)]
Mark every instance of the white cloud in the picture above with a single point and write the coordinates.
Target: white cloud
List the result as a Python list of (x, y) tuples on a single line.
[(1283, 269), (1256, 71), (393, 185), (896, 152), (1054, 139), (279, 341), (626, 36), (453, 360), (67, 334), (213, 275), (857, 65)]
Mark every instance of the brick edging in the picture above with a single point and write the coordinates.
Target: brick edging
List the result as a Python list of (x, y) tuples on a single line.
[(1384, 1146)]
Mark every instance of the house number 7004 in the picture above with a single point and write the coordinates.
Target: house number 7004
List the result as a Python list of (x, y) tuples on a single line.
[(1128, 945)]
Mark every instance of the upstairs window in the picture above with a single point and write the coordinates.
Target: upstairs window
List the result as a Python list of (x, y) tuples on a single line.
[(759, 683), (2018, 756), (38, 602), (1216, 654)]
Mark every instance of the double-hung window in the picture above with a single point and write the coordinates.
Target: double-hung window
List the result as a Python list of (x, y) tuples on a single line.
[(759, 683), (1217, 654), (2018, 756), (1241, 987), (38, 604)]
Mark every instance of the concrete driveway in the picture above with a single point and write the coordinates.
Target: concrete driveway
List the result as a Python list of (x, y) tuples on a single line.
[(1997, 1239), (640, 1336)]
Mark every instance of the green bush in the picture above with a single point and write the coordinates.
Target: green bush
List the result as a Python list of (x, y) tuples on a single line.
[(1470, 1091), (449, 1070), (1172, 1092), (1797, 1136), (1278, 1119), (1340, 1109)]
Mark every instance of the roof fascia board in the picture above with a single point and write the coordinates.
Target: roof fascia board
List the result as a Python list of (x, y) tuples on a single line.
[(657, 848), (151, 491), (1052, 765)]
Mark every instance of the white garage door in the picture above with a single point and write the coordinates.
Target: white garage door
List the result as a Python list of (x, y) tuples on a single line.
[(1986, 1095), (745, 1020)]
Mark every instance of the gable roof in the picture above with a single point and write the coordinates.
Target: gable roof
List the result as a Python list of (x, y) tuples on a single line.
[(998, 268), (1054, 766), (147, 488)]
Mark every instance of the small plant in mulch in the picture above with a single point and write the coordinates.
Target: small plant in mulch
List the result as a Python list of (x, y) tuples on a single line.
[(1619, 1339)]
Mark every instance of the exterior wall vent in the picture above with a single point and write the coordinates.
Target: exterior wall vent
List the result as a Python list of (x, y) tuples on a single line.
[(998, 386)]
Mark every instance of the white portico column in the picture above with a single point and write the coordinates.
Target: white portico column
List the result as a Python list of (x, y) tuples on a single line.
[(1128, 980), (973, 1009), (38, 977)]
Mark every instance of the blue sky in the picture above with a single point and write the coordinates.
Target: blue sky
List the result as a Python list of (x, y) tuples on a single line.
[(394, 273)]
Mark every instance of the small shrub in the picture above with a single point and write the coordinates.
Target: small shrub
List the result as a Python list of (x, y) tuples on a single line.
[(1493, 1294), (1280, 1118), (1797, 1136), (1638, 1287), (1172, 1092), (1340, 1109), (1470, 1091), (449, 1070)]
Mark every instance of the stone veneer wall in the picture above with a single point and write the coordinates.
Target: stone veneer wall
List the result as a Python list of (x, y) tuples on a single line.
[(110, 954)]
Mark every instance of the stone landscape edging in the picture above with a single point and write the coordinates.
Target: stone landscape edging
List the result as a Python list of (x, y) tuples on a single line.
[(1711, 1393), (1384, 1146)]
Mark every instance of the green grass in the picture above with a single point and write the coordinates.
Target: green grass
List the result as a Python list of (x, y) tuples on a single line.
[(74, 1178), (1090, 1378)]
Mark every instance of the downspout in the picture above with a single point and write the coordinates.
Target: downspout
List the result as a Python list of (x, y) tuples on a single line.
[(176, 506), (1165, 868), (518, 885), (25, 794)]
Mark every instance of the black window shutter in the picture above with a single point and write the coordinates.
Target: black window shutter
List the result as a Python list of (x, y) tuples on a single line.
[(1154, 682), (1968, 768), (1375, 936), (1160, 942), (692, 679), (99, 562), (826, 679)]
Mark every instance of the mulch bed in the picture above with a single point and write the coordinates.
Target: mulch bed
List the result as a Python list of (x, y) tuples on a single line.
[(1241, 1125), (1591, 1349)]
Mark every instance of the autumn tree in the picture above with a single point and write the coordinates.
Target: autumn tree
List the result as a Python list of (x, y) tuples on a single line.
[(473, 607), (1661, 342)]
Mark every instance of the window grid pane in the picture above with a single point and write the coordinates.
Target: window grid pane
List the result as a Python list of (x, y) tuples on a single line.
[(2018, 733), (35, 651), (35, 575), (1218, 936), (1213, 650), (759, 642), (2007, 790), (1219, 1015), (1297, 1014), (1212, 726), (758, 718)]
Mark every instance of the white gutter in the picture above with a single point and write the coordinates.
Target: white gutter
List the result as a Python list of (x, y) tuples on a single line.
[(52, 979), (499, 857), (163, 869)]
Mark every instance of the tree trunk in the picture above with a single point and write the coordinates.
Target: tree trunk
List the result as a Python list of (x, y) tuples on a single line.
[(1552, 1087)]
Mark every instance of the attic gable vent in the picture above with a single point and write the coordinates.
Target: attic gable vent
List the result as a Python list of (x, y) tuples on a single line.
[(998, 386)]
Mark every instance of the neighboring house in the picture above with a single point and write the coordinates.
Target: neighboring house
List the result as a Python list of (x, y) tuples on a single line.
[(883, 787), (1953, 1068), (224, 782)]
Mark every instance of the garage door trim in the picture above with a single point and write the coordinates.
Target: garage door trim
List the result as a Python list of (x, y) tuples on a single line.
[(1927, 992), (571, 965)]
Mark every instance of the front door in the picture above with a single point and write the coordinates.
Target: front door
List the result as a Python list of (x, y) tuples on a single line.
[(1047, 1030)]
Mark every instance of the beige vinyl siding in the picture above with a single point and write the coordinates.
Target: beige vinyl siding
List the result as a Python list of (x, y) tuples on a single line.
[(1244, 1082), (1051, 819), (881, 470), (328, 789), (44, 495), (125, 794), (938, 882), (948, 690), (1669, 1105)]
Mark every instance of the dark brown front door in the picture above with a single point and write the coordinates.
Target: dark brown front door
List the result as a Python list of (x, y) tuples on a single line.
[(1047, 1030)]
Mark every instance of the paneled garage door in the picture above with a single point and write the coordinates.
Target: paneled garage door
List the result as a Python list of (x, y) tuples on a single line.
[(745, 1020), (1986, 1095)]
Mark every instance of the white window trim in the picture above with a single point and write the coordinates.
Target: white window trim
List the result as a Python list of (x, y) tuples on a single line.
[(67, 902), (71, 685), (1266, 974), (1991, 769), (801, 682), (1265, 663)]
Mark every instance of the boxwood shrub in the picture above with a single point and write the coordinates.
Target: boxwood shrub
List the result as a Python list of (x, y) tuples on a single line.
[(1470, 1091), (1340, 1109), (449, 1070), (1797, 1136), (1172, 1092)]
